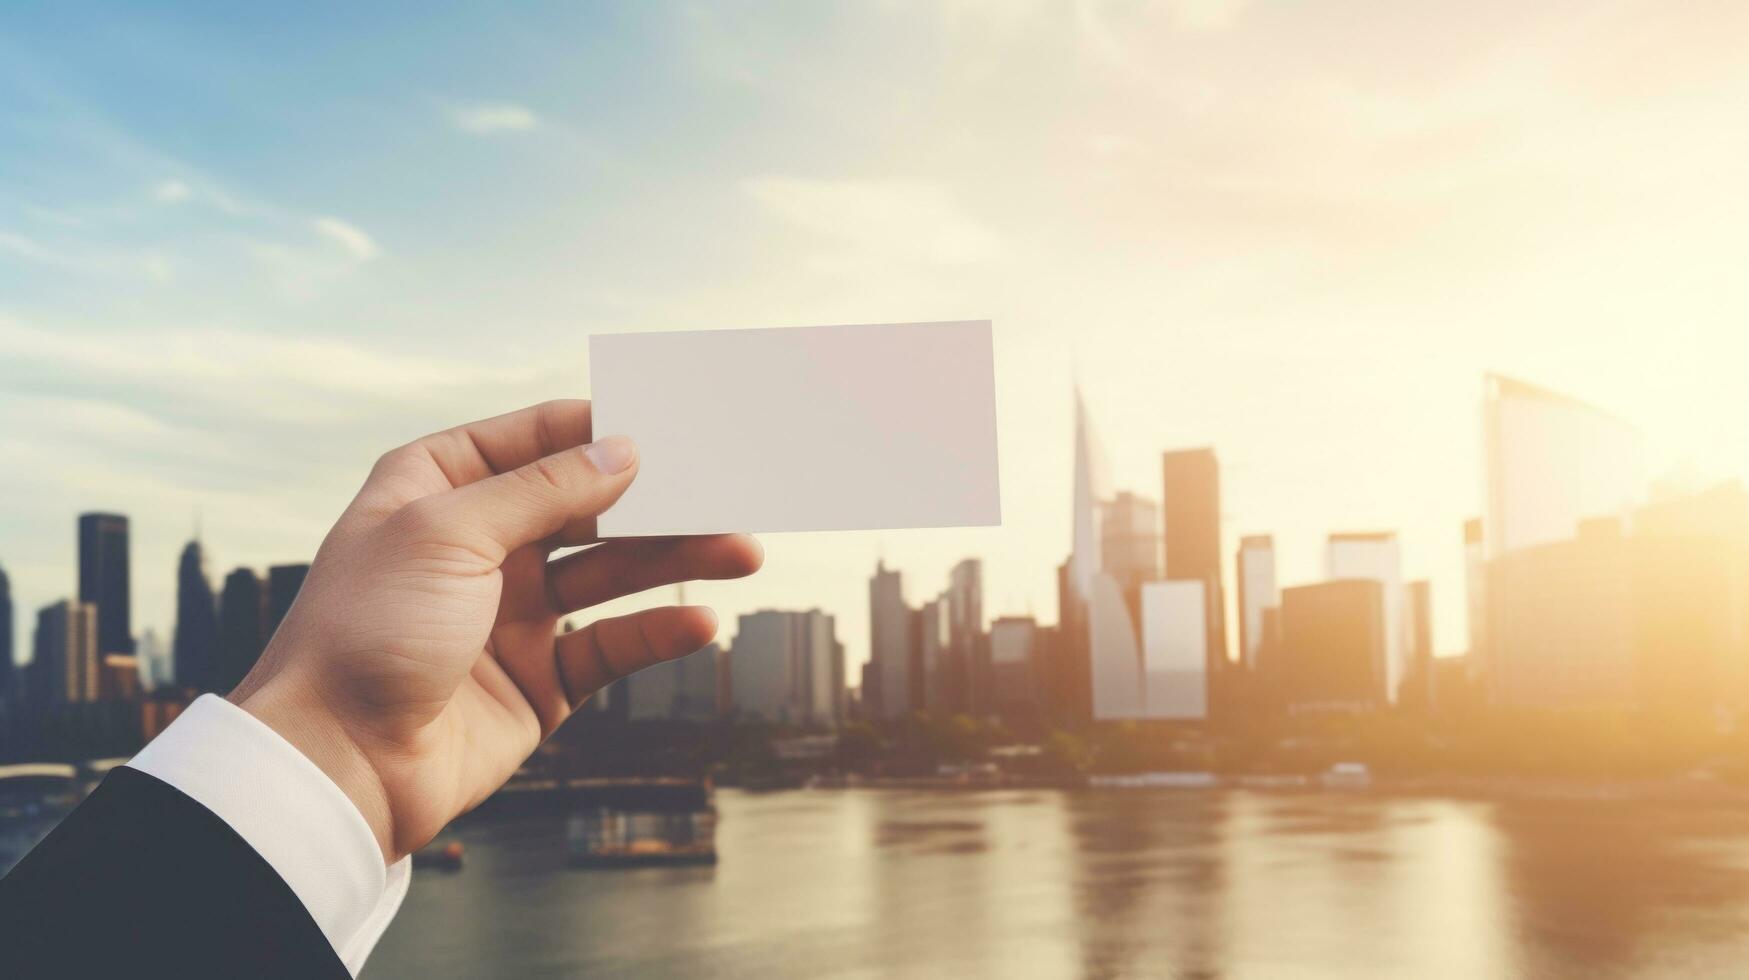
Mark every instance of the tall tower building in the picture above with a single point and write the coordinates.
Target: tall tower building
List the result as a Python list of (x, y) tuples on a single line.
[(103, 579), (1555, 466), (890, 647), (194, 646), (934, 646), (1130, 541), (1257, 592), (1092, 488), (66, 652), (283, 583), (1066, 673), (242, 626), (969, 666), (1191, 502)]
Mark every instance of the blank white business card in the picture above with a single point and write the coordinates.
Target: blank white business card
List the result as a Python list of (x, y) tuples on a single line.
[(801, 428)]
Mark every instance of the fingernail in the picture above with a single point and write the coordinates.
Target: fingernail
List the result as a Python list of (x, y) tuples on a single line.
[(610, 455)]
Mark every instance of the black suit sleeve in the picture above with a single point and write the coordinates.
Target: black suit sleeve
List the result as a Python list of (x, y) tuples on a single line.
[(140, 880)]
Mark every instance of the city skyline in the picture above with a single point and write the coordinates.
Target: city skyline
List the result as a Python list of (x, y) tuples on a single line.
[(99, 533), (1247, 229), (1591, 591)]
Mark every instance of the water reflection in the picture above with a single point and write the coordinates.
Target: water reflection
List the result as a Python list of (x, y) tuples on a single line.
[(1627, 889), (1149, 878), (1109, 884)]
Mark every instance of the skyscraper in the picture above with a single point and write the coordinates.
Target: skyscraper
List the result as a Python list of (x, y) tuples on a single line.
[(67, 661), (695, 695), (1072, 674), (787, 667), (1129, 537), (968, 658), (683, 689), (1334, 646), (934, 643), (283, 583), (1257, 592), (242, 626), (1191, 502), (1067, 672), (1417, 688), (1014, 679), (1092, 489), (890, 648), (1174, 651), (156, 666), (103, 579), (1116, 653), (1376, 556), (194, 645), (1690, 561), (1560, 622), (1475, 585), (1552, 464), (8, 669)]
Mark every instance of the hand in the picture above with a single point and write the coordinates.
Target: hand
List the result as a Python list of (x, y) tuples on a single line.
[(418, 667)]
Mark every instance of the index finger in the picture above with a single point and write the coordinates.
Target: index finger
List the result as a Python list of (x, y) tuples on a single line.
[(472, 452)]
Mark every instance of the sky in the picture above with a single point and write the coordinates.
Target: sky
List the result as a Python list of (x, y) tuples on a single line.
[(243, 250)]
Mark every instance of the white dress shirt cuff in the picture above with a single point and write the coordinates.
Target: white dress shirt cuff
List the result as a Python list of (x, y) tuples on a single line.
[(290, 812)]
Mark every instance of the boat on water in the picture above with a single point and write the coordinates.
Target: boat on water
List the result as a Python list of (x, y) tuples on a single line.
[(448, 856), (609, 838), (1155, 780), (1347, 775)]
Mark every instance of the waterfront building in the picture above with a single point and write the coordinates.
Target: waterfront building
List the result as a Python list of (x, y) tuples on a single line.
[(1333, 658), (1376, 557), (1191, 535), (66, 662), (891, 651), (1174, 651), (787, 667)]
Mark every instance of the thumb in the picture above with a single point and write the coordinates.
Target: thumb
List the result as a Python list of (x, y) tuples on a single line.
[(536, 500)]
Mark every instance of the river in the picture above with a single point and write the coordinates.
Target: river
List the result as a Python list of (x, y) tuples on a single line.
[(1202, 883)]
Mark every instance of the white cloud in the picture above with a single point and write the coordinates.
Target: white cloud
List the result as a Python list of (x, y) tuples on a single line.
[(300, 377), (487, 118), (80, 258), (917, 220), (171, 192), (349, 237), (28, 248)]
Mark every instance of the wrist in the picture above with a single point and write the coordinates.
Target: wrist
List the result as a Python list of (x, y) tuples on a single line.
[(309, 726)]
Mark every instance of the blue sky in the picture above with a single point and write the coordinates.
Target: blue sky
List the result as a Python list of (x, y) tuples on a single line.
[(243, 251)]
